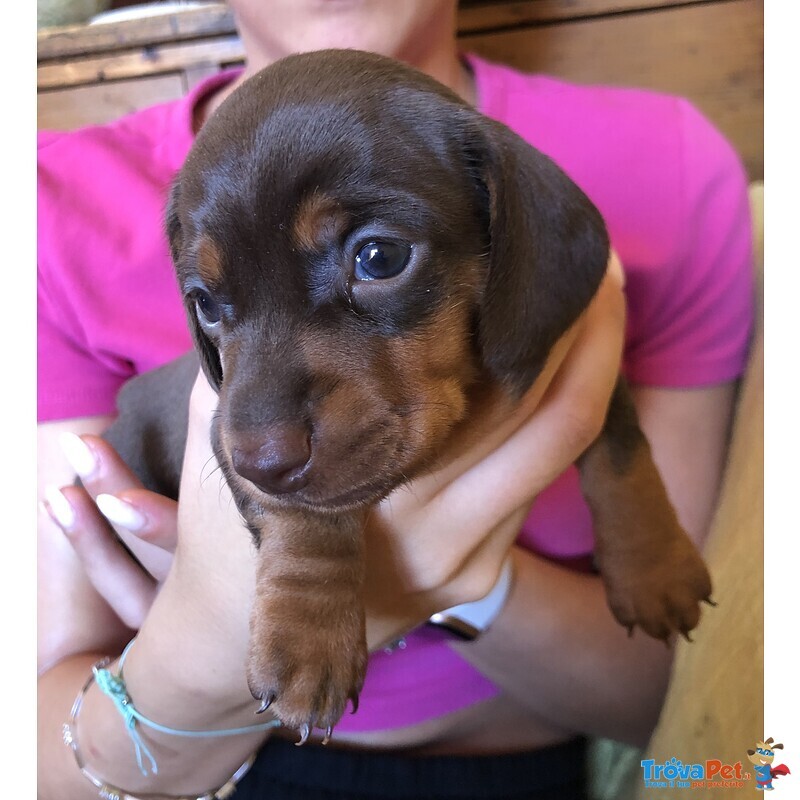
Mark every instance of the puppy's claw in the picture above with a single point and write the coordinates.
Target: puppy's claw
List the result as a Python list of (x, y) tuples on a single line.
[(266, 702), (305, 730), (630, 631), (353, 698), (328, 732), (687, 636), (710, 602)]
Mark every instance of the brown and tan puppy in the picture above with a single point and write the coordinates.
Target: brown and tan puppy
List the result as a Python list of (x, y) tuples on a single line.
[(368, 264)]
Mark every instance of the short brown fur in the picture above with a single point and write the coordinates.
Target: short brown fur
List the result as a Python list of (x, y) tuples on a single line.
[(319, 222), (209, 261), (353, 384)]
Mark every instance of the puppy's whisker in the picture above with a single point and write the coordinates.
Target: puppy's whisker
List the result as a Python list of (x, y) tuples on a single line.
[(204, 476)]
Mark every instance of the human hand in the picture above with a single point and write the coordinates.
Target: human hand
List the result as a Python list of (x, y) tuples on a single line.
[(442, 539), (202, 610), (435, 543), (112, 507), (184, 669)]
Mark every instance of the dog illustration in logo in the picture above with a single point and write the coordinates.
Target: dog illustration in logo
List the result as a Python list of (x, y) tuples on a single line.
[(762, 758)]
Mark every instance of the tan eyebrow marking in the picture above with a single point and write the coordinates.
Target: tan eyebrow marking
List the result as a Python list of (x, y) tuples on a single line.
[(209, 261), (319, 222)]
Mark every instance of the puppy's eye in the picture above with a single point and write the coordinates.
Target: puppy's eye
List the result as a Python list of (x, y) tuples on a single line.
[(208, 310), (378, 260)]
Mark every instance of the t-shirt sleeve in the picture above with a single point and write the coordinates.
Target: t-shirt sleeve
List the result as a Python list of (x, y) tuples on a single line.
[(71, 382), (699, 332)]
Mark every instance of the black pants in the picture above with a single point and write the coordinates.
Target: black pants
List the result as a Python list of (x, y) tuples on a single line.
[(285, 772)]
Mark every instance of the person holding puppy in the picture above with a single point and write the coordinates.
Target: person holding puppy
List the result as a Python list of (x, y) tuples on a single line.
[(553, 666)]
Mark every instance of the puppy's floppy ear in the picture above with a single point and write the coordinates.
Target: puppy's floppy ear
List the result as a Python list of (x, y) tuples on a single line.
[(209, 355), (548, 253)]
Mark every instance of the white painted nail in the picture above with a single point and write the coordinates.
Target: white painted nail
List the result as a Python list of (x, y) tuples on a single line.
[(60, 508), (118, 512), (77, 452)]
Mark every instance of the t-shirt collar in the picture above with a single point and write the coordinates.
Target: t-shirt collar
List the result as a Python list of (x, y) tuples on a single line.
[(181, 126)]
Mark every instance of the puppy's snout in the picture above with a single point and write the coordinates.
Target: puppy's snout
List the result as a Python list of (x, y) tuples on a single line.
[(277, 461)]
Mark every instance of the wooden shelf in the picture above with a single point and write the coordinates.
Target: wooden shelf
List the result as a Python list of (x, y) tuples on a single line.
[(710, 51)]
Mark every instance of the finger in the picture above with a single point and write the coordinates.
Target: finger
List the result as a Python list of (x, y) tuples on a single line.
[(123, 583), (149, 522), (615, 271), (566, 421), (202, 403), (97, 464), (569, 416), (603, 325), (598, 335), (152, 517), (427, 489), (214, 544), (105, 475), (607, 306), (481, 569), (603, 317)]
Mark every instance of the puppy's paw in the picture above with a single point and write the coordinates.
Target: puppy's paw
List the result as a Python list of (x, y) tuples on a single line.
[(660, 591), (306, 669)]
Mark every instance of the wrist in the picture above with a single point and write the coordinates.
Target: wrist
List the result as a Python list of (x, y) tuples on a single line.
[(152, 759), (191, 652), (185, 683), (469, 621)]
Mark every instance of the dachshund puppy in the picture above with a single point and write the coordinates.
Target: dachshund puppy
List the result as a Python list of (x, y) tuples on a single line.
[(368, 265)]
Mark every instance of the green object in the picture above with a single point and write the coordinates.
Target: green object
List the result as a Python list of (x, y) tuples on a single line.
[(54, 13)]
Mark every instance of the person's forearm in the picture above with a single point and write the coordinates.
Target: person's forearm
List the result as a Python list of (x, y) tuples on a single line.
[(558, 650), (186, 670), (184, 765)]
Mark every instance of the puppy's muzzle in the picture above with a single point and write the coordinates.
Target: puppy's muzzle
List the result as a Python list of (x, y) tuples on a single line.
[(277, 459)]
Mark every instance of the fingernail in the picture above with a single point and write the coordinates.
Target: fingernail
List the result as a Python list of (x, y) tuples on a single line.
[(77, 452), (118, 512), (59, 508)]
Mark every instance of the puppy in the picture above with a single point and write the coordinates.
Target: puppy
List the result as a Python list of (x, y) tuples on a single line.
[(369, 265)]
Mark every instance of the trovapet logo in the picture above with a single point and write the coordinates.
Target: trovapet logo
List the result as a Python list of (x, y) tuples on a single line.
[(709, 774), (715, 774)]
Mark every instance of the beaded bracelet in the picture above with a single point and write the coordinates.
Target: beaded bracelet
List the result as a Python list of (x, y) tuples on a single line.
[(108, 791)]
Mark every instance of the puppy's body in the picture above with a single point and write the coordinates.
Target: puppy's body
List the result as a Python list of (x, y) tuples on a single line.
[(367, 262)]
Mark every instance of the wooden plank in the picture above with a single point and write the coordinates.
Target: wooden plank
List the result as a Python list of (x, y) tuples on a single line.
[(147, 61), (727, 660), (712, 53), (77, 40), (493, 16), (65, 109), (195, 74), (217, 20)]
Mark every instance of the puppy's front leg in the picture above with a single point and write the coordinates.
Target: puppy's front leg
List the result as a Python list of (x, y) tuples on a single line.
[(308, 651), (653, 574)]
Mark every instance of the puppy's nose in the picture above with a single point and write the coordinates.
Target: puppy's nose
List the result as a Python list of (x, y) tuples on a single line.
[(277, 461)]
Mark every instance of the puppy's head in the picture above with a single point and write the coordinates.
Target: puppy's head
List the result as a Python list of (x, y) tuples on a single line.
[(356, 247)]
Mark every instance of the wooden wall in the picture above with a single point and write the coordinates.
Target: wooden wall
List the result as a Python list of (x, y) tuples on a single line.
[(708, 50)]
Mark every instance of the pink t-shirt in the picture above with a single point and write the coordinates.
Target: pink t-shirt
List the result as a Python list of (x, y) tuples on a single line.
[(671, 189)]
